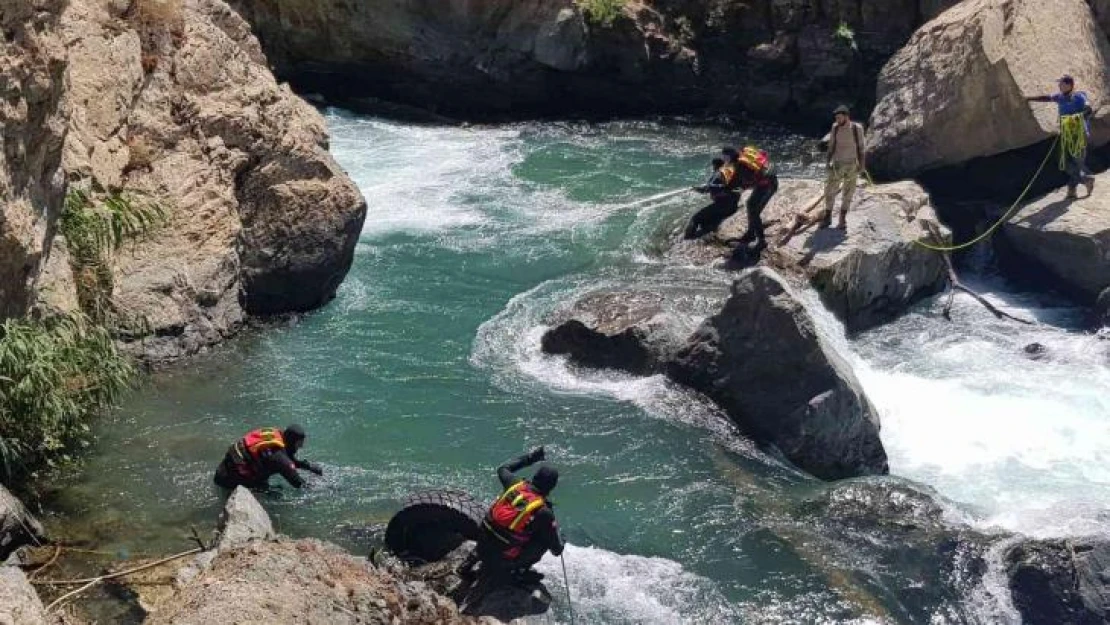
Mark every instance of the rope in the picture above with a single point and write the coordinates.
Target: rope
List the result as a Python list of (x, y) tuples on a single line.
[(1073, 137), (70, 582), (1005, 216), (566, 584)]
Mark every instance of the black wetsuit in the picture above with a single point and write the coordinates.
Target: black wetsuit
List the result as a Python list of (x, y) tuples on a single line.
[(725, 203), (271, 462), (543, 528), (763, 186)]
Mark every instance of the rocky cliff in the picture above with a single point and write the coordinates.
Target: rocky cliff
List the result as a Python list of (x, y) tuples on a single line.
[(167, 103), (32, 67), (513, 58)]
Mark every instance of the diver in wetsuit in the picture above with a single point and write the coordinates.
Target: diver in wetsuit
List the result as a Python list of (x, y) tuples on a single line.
[(721, 190), (264, 452)]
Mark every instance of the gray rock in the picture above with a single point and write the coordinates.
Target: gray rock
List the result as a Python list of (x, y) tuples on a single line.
[(957, 89), (243, 520), (1102, 308), (1068, 238), (17, 526), (19, 604), (760, 358), (618, 330), (1061, 581)]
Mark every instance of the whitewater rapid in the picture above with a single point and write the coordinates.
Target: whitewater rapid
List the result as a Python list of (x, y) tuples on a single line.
[(1009, 443)]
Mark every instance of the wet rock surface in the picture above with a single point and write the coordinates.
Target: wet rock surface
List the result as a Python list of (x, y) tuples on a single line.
[(1061, 581), (17, 526), (629, 331), (761, 359)]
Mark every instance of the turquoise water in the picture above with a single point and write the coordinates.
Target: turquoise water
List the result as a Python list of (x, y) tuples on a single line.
[(425, 372)]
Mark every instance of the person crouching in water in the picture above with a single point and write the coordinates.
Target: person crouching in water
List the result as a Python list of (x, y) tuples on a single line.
[(261, 453), (756, 173), (520, 525), (721, 189)]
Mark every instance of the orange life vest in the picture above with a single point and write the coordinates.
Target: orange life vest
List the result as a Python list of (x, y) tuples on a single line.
[(755, 159), (728, 173), (509, 517), (248, 451)]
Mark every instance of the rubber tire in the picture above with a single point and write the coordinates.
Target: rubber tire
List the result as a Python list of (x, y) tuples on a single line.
[(432, 524)]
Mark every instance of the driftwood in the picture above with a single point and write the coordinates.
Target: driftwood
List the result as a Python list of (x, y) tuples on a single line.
[(954, 284), (89, 582)]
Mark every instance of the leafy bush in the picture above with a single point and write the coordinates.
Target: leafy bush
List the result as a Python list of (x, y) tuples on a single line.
[(845, 34), (602, 12), (54, 375), (93, 231)]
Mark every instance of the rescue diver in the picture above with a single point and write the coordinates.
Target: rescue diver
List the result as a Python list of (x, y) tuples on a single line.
[(520, 525), (721, 190), (261, 453), (756, 173)]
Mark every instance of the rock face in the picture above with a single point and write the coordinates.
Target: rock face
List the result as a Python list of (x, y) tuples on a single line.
[(618, 330), (513, 58), (19, 604), (184, 109), (761, 359), (956, 90), (32, 67), (17, 526), (1061, 581), (1069, 238), (1102, 308)]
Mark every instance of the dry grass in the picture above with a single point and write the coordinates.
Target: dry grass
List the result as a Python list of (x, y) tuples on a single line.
[(141, 154), (168, 14)]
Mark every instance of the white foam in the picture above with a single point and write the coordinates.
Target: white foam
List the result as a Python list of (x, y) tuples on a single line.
[(615, 588)]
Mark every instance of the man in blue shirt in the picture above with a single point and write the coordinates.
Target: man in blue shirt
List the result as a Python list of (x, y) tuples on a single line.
[(1071, 102)]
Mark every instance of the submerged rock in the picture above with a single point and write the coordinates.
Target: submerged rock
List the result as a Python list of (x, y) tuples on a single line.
[(762, 360), (17, 526), (957, 89), (1061, 581), (618, 330), (1068, 238), (19, 604)]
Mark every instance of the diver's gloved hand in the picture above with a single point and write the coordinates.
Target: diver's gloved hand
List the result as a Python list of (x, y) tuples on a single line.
[(700, 189), (315, 468), (537, 455)]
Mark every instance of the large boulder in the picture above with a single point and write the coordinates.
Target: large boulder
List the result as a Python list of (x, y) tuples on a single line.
[(876, 269), (19, 604), (1061, 581), (17, 526), (618, 330), (32, 115), (179, 106), (762, 360), (1069, 238), (957, 89), (868, 274)]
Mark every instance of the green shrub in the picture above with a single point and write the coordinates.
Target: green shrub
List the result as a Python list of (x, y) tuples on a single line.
[(94, 229), (602, 12), (55, 374), (845, 34)]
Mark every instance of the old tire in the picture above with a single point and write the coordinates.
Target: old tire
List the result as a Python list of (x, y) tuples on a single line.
[(432, 524)]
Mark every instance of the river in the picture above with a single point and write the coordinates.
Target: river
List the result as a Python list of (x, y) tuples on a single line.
[(426, 372)]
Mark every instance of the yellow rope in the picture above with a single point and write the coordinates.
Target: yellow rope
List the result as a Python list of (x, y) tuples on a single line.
[(1073, 137), (1005, 217)]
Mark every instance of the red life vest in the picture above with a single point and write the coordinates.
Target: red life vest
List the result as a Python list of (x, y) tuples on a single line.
[(249, 450), (509, 517), (756, 164)]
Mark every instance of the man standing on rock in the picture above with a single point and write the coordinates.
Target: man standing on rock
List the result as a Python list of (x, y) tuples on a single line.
[(261, 453), (757, 173), (845, 162), (1075, 129), (520, 525)]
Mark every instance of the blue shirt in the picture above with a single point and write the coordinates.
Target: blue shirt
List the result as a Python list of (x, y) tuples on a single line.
[(1072, 104)]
